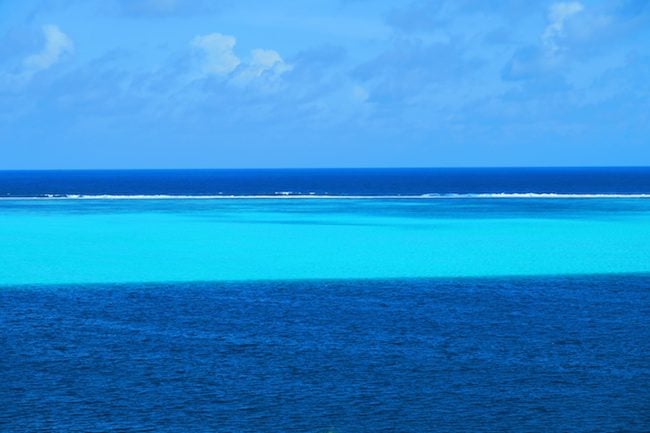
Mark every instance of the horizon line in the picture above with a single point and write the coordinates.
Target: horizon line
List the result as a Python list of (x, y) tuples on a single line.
[(333, 168)]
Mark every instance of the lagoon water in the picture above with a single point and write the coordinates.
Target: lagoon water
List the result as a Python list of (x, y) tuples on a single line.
[(314, 301), (113, 241)]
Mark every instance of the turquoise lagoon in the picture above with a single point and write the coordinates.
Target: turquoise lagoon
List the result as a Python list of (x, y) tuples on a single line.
[(70, 241)]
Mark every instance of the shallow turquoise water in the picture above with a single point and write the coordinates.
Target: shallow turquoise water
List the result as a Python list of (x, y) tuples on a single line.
[(113, 241)]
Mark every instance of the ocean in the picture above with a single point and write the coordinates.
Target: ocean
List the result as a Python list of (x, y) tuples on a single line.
[(339, 300)]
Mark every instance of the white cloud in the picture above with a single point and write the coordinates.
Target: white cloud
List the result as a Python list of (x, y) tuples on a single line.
[(262, 62), (57, 44), (558, 14), (218, 56), (267, 60)]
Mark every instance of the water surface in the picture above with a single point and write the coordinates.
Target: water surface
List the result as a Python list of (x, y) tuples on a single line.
[(488, 355), (111, 241), (325, 300)]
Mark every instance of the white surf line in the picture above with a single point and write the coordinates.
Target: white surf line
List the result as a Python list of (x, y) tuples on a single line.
[(333, 197)]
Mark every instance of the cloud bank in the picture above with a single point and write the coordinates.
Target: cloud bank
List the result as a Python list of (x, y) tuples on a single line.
[(425, 82)]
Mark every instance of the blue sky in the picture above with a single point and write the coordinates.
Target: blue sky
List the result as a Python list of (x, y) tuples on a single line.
[(323, 83)]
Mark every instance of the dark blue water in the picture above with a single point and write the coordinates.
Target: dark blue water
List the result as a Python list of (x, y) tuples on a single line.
[(328, 181), (497, 355)]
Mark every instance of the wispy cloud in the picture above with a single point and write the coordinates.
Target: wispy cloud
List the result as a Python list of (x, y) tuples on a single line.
[(57, 45), (558, 15), (544, 57)]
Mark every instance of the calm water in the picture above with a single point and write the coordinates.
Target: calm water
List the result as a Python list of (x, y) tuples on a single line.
[(109, 241), (541, 354), (373, 182), (384, 300)]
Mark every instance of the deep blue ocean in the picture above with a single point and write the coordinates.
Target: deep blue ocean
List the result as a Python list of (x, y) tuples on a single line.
[(335, 182), (402, 300)]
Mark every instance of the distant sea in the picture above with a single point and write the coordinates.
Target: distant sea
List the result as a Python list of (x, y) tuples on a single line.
[(338, 300)]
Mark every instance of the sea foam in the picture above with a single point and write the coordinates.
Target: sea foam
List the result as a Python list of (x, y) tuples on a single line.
[(290, 195)]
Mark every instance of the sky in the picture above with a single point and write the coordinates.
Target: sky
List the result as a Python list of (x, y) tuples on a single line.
[(88, 84)]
